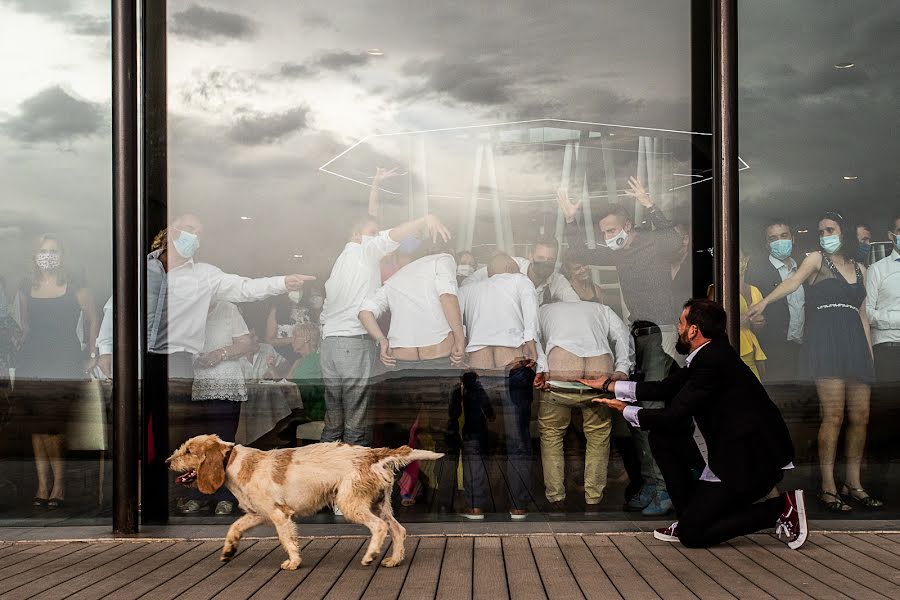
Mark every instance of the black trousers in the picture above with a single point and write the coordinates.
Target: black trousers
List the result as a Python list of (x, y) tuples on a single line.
[(709, 513)]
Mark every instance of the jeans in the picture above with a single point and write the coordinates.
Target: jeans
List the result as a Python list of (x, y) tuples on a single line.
[(553, 420), (516, 407), (347, 366)]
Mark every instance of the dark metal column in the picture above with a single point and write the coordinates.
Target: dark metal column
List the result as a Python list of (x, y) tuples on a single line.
[(702, 212), (725, 161), (125, 265)]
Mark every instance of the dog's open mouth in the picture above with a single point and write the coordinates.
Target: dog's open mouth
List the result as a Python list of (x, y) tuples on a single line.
[(187, 478)]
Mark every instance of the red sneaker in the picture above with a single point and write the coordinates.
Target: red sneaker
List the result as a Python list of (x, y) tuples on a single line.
[(792, 522), (667, 534)]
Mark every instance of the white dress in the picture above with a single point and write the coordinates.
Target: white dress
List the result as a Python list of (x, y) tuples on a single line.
[(225, 381)]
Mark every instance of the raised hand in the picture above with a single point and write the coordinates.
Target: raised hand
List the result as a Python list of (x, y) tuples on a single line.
[(569, 209), (436, 228), (637, 191), (381, 174)]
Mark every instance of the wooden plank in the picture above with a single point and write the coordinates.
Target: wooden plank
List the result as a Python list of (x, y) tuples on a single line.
[(806, 562), (455, 582), (785, 570), (694, 579), (247, 584), (522, 575), (45, 569), (756, 573), (59, 578), (9, 549), (161, 554), (593, 581), (850, 563), (36, 558), (861, 559), (351, 584), (142, 587), (489, 575), (29, 551), (730, 579), (556, 575), (889, 542), (284, 582), (386, 583), (424, 570), (627, 580), (660, 579), (206, 567), (324, 574), (871, 550), (243, 562)]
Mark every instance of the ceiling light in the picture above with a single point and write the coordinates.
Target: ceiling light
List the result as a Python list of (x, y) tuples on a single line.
[(298, 256), (375, 52), (803, 231), (850, 177), (246, 218), (845, 66)]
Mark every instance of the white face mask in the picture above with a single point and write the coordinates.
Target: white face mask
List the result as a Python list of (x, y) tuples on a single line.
[(618, 241), (48, 261), (464, 270)]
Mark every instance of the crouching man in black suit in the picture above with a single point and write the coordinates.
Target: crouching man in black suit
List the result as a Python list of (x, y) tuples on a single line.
[(747, 441)]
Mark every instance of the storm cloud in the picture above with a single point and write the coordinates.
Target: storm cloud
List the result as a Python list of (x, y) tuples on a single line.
[(256, 128), (209, 24), (54, 115), (463, 80)]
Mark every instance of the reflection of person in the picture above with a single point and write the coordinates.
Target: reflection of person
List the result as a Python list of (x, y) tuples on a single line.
[(50, 306), (9, 333), (837, 354), (465, 265), (782, 333), (883, 309), (682, 285), (750, 350), (747, 440), (306, 372), (540, 267), (288, 311), (864, 243), (579, 276), (579, 338), (501, 317)]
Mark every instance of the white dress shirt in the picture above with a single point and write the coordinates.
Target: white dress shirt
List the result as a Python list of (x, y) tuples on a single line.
[(795, 300), (499, 311), (625, 391), (105, 335), (585, 329), (883, 299), (412, 295), (356, 274), (178, 301), (560, 288)]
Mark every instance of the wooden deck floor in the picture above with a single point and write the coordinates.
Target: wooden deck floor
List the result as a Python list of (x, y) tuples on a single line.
[(845, 565)]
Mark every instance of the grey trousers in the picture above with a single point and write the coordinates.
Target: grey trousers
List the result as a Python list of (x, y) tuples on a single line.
[(348, 364)]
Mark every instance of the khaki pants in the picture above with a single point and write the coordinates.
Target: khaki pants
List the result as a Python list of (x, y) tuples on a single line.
[(553, 420)]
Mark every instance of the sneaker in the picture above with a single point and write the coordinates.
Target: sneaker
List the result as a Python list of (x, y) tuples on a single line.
[(473, 514), (224, 507), (517, 513), (660, 506), (642, 499), (667, 534), (556, 507), (337, 511), (191, 507), (792, 522)]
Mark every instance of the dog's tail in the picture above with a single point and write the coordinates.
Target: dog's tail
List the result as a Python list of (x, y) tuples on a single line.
[(402, 456)]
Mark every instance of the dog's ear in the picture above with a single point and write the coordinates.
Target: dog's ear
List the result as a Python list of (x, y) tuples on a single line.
[(211, 472)]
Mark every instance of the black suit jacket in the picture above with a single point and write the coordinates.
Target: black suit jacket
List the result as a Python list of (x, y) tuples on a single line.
[(763, 274), (746, 436)]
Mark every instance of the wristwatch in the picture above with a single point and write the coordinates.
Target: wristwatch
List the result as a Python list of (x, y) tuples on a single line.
[(605, 387)]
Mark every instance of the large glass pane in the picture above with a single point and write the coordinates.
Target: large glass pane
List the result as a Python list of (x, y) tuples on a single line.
[(297, 133), (55, 239), (817, 112)]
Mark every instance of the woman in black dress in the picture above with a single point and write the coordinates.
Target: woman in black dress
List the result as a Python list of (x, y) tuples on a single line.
[(837, 354), (51, 367)]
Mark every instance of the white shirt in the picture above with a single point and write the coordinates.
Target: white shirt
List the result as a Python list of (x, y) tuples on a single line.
[(499, 311), (356, 274), (105, 335), (586, 329), (178, 301), (224, 381), (257, 365), (412, 295), (883, 299), (560, 288), (795, 300)]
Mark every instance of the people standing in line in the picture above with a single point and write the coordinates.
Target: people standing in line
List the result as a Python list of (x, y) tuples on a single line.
[(540, 266), (51, 367), (581, 340), (748, 445), (643, 260), (837, 354), (782, 335), (501, 320)]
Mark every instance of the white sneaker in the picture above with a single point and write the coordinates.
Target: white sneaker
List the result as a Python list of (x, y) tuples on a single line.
[(667, 534), (337, 511), (792, 522)]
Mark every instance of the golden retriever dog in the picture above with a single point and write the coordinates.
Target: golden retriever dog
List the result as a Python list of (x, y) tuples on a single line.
[(274, 486)]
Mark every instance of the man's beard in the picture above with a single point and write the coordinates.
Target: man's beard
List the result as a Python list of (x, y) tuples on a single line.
[(682, 346)]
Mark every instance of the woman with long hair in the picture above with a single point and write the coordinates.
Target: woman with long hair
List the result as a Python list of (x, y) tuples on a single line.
[(837, 354), (51, 367)]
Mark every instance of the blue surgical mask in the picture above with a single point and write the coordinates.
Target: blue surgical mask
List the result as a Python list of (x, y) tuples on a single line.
[(186, 244), (781, 249), (830, 243), (863, 252), (618, 241), (897, 243)]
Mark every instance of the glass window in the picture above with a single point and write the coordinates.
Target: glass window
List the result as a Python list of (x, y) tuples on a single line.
[(819, 210), (55, 239)]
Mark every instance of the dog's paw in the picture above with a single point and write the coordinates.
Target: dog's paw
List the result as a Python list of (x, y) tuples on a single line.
[(290, 565), (391, 562), (228, 554), (367, 560)]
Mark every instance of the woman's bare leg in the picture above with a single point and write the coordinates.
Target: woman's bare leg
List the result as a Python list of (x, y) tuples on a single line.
[(56, 451), (831, 403), (857, 426), (41, 465)]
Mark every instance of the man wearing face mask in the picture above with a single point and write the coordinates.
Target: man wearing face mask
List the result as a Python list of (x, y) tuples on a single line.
[(782, 333), (864, 238), (179, 294), (883, 309), (540, 266)]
